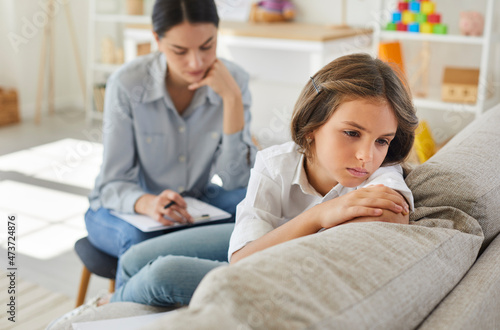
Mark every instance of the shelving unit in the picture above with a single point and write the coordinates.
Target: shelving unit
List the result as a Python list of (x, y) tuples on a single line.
[(94, 67), (486, 41)]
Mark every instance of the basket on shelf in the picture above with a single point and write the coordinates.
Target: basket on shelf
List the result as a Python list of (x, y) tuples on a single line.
[(9, 107)]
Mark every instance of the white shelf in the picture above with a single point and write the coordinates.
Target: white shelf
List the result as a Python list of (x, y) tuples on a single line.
[(486, 44), (131, 19), (442, 38), (441, 105)]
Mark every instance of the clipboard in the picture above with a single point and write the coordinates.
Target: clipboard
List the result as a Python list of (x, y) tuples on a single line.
[(202, 213)]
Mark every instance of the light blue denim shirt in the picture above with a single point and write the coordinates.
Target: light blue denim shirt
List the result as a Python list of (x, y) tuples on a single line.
[(149, 147)]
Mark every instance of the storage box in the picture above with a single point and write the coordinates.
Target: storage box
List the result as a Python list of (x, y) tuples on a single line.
[(460, 85), (9, 107)]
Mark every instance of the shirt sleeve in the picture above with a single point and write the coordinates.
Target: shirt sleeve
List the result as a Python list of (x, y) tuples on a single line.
[(237, 152), (260, 211), (392, 177), (118, 182)]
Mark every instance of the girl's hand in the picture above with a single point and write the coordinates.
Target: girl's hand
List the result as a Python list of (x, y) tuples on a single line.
[(220, 80), (154, 206), (369, 202)]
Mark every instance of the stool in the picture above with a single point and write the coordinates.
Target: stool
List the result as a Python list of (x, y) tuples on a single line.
[(94, 262)]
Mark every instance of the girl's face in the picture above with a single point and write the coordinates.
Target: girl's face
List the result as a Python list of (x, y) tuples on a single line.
[(190, 51), (351, 145)]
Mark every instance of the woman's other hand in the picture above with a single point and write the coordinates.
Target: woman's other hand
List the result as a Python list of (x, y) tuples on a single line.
[(220, 80)]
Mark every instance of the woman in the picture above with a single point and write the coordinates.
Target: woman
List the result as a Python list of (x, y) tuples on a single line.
[(172, 119)]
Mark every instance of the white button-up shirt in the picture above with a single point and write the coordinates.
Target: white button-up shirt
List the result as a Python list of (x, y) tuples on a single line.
[(278, 191), (150, 147)]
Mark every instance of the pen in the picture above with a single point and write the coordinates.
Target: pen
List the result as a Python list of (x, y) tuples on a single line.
[(169, 204)]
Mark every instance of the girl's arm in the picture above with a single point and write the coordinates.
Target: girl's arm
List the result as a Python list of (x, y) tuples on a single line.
[(369, 202)]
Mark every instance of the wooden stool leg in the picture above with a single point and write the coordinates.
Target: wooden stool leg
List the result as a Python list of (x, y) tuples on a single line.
[(111, 286), (84, 283)]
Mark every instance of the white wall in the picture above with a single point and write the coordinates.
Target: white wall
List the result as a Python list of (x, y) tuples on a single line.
[(22, 27)]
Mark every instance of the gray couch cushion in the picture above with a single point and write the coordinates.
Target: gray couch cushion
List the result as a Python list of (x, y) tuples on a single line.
[(354, 276), (475, 302), (463, 178)]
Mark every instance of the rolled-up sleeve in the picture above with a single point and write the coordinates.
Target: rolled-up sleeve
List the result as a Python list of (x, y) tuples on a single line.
[(118, 183)]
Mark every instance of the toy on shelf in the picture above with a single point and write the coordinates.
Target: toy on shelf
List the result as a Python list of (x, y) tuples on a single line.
[(390, 52), (417, 16), (272, 11), (460, 85), (471, 23)]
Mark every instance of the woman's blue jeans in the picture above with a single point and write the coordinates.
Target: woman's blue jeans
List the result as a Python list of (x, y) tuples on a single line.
[(115, 236), (165, 270)]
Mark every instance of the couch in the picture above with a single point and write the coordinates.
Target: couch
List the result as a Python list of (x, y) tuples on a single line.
[(440, 272)]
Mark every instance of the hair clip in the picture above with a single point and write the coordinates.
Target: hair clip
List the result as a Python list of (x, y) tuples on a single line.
[(315, 86)]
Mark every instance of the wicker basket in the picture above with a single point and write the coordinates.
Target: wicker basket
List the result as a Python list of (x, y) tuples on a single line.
[(9, 107)]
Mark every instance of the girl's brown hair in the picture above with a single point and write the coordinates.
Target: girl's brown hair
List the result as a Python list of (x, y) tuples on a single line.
[(348, 78)]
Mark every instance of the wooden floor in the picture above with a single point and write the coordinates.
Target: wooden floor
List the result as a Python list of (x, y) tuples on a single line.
[(46, 288), (36, 307)]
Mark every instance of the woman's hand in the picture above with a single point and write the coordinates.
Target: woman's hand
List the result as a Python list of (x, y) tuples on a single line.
[(370, 204), (220, 80), (154, 206)]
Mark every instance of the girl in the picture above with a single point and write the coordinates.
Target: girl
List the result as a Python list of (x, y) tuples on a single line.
[(172, 119), (353, 123)]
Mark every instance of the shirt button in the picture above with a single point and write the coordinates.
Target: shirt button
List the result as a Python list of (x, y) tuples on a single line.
[(181, 189), (215, 135), (182, 159), (148, 140), (182, 129)]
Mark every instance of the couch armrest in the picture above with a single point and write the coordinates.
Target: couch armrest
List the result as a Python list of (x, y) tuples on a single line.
[(475, 301)]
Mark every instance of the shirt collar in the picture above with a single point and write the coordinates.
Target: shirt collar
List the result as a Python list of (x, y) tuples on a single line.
[(157, 71), (300, 179)]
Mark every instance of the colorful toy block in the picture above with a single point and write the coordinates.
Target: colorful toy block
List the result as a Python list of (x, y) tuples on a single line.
[(434, 18), (396, 17), (413, 27), (415, 6), (391, 26), (408, 17), (401, 27), (402, 6), (417, 16), (426, 27), (440, 29), (427, 7)]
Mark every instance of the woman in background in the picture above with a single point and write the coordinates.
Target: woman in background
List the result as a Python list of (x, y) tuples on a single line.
[(172, 120)]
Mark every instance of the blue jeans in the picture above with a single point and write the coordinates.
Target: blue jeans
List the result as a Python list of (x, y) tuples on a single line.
[(165, 271), (115, 236)]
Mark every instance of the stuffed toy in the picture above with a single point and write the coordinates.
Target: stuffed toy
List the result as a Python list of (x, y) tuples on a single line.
[(471, 23), (272, 11)]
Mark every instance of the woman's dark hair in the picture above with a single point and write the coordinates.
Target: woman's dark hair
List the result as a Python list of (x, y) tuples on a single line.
[(169, 13), (354, 77)]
